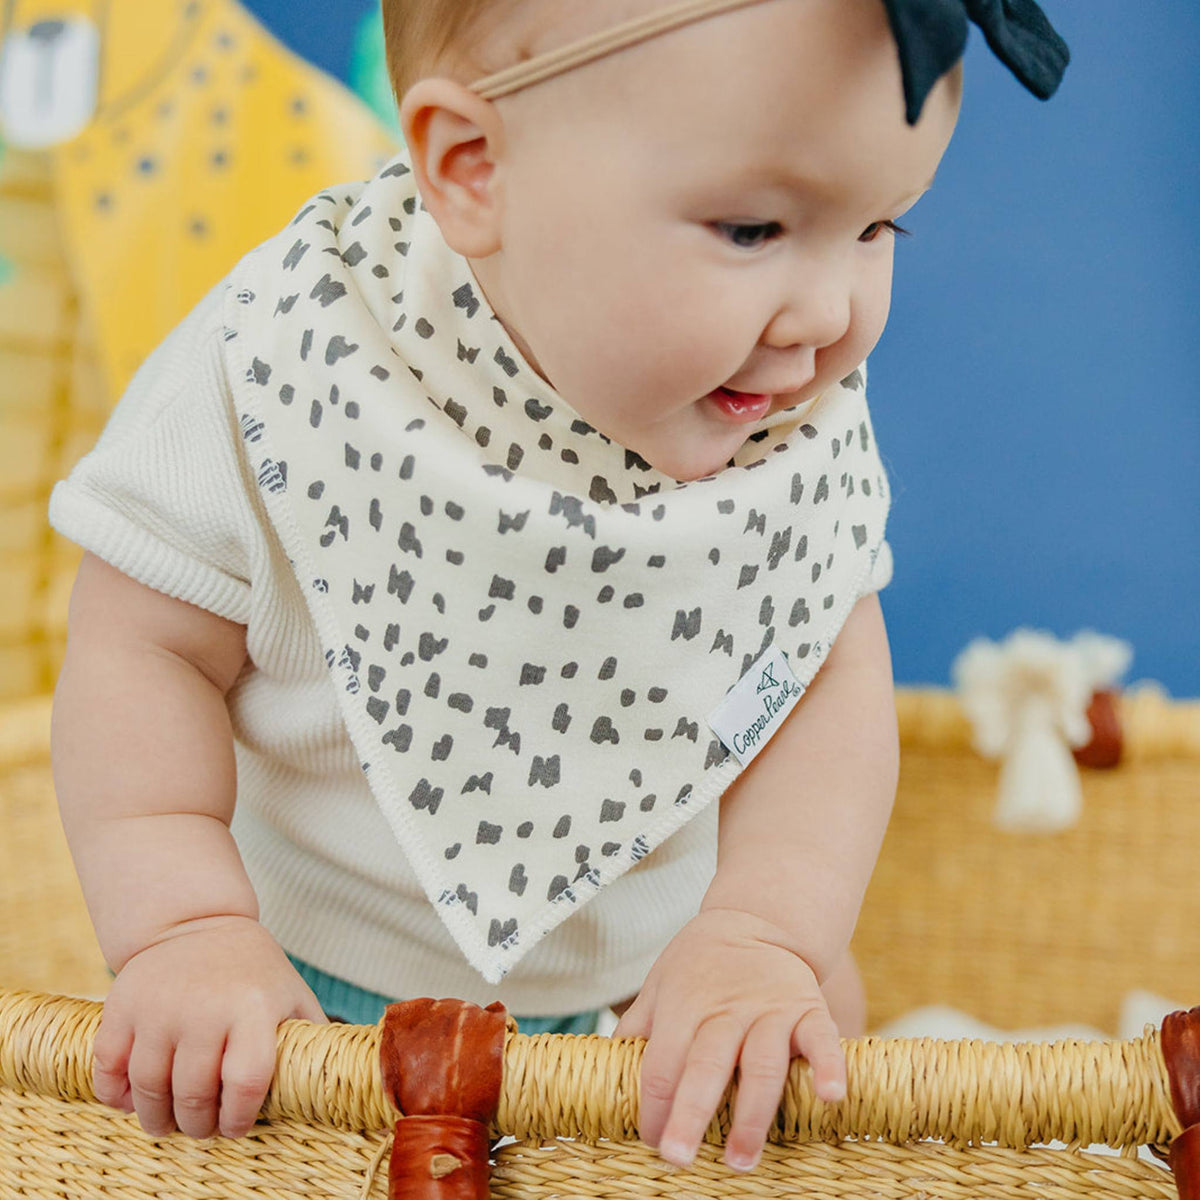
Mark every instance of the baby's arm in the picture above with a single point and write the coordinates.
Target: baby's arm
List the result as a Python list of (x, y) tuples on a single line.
[(145, 774), (740, 983)]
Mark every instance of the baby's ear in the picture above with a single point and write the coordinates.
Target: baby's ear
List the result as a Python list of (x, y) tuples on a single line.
[(455, 139)]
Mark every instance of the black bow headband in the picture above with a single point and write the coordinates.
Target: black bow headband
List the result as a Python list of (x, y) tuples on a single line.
[(932, 35)]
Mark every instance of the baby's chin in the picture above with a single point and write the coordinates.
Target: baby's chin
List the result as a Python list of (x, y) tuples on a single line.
[(687, 462)]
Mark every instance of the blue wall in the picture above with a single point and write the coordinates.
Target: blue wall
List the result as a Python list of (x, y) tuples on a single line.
[(1034, 390), (320, 31), (1034, 393)]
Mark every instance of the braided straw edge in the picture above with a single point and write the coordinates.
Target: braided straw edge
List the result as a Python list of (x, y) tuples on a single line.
[(964, 1093)]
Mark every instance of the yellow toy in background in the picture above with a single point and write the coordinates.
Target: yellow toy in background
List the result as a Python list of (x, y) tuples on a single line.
[(144, 147)]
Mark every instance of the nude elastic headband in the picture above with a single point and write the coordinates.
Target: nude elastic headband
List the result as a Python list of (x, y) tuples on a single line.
[(931, 36), (599, 45)]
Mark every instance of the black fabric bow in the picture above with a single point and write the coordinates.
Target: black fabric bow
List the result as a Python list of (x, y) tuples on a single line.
[(932, 35)]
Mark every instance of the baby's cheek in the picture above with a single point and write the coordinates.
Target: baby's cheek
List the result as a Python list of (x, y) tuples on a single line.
[(868, 319), (873, 305), (836, 362)]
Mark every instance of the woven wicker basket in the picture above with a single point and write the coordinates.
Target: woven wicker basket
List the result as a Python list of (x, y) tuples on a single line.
[(1016, 930)]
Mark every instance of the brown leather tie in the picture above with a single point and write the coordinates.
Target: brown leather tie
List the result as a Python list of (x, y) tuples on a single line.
[(1180, 1041), (442, 1062)]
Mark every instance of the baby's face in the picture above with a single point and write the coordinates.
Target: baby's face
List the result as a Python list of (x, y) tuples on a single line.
[(696, 230)]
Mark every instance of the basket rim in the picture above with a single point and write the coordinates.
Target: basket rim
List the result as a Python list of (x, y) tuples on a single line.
[(964, 1092)]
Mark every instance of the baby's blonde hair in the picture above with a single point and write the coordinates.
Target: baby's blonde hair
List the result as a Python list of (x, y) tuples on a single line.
[(420, 33)]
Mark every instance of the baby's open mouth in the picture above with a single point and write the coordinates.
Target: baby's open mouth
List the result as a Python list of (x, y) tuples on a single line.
[(741, 406)]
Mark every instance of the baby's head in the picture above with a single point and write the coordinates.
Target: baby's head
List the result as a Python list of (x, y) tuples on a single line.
[(686, 234)]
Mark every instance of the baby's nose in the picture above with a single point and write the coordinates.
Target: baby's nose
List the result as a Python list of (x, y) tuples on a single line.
[(816, 311)]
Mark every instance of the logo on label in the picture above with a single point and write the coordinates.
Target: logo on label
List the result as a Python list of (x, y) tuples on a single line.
[(754, 708)]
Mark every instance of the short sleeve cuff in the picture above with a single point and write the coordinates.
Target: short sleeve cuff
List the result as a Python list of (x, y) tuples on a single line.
[(86, 520)]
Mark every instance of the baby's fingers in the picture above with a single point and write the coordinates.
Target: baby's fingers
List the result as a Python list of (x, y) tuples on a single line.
[(110, 1063), (662, 1065), (246, 1073), (196, 1084), (150, 1064), (706, 1074), (638, 1019), (815, 1037), (762, 1072)]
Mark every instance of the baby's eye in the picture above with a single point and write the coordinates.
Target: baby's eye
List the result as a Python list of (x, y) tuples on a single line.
[(872, 231), (748, 235)]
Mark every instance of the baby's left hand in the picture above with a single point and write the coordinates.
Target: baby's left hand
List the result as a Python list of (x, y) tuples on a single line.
[(727, 992)]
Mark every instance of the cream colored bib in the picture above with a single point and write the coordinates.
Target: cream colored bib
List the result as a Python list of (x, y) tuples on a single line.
[(528, 626)]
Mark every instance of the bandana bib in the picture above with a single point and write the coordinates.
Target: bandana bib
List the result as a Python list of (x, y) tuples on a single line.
[(527, 625)]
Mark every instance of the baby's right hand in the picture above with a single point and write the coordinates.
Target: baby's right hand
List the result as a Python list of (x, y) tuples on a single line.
[(188, 1034)]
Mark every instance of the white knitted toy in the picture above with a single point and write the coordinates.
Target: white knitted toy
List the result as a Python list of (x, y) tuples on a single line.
[(1027, 698)]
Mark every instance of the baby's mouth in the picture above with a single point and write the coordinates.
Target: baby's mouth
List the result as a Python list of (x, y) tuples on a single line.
[(740, 406)]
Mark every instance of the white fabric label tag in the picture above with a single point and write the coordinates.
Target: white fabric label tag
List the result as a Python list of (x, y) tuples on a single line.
[(754, 708)]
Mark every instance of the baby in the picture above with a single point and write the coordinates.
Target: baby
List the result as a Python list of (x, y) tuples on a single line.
[(486, 526)]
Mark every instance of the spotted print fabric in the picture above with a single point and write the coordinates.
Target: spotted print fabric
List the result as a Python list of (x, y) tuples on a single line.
[(526, 623)]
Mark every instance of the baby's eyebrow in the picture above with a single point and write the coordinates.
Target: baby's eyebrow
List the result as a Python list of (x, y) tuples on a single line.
[(792, 181)]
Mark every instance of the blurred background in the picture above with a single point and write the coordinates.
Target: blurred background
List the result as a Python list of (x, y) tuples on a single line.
[(1033, 390), (1032, 394)]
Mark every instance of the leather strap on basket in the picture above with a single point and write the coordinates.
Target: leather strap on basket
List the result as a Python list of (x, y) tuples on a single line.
[(442, 1062), (1107, 742), (1180, 1040)]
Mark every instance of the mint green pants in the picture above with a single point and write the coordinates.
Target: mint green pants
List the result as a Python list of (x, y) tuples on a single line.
[(359, 1007)]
